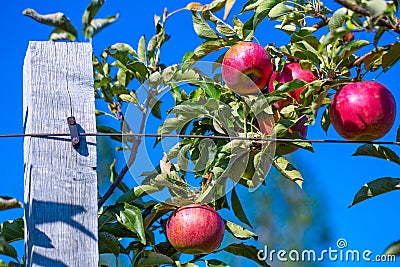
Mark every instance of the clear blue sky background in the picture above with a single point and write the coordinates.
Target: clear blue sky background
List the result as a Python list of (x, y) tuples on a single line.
[(335, 173)]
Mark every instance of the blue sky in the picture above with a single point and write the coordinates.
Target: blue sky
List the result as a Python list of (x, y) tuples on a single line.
[(334, 173)]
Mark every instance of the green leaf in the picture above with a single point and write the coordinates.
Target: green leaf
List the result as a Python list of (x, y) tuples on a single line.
[(390, 58), (393, 249), (167, 249), (288, 87), (261, 11), (151, 258), (107, 129), (157, 212), (287, 28), (169, 72), (326, 120), (215, 263), (58, 20), (121, 77), (202, 29), (91, 11), (377, 151), (238, 26), (121, 49), (262, 164), (288, 170), (246, 251), (12, 230), (337, 19), (214, 6), (171, 124), (352, 47), (59, 34), (250, 5), (381, 30), (376, 7), (376, 187), (155, 43), (237, 208), (280, 10), (398, 135), (222, 27), (142, 50), (131, 217), (116, 229), (206, 48), (373, 60), (234, 158), (183, 159), (306, 35), (190, 110), (114, 174), (332, 36), (9, 203), (97, 25), (129, 98), (210, 89), (137, 192), (6, 249), (155, 80), (207, 151), (239, 232), (309, 51), (156, 108), (108, 243)]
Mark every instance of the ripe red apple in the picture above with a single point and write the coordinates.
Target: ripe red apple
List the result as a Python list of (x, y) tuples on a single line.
[(246, 68), (290, 72), (363, 111), (195, 229)]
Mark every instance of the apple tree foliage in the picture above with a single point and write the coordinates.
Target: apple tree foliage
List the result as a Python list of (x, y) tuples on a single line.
[(321, 40)]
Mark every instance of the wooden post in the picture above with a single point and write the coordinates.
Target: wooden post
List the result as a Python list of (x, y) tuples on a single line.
[(60, 182)]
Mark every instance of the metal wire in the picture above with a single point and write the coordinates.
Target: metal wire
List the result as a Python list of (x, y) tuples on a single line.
[(284, 140)]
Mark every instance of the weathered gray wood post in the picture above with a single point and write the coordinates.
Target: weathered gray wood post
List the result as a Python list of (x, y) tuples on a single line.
[(60, 181)]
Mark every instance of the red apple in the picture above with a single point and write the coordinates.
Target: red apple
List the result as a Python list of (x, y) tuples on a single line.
[(290, 72), (363, 111), (195, 229), (246, 68)]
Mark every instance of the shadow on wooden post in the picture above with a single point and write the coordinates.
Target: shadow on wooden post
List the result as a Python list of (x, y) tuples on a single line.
[(60, 182)]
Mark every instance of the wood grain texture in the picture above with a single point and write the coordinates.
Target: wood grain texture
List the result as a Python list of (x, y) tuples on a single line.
[(60, 182)]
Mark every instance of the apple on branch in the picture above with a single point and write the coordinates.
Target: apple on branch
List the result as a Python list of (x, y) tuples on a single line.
[(246, 68), (363, 111), (290, 72), (195, 229)]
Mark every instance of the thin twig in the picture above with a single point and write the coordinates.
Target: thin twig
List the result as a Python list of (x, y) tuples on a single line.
[(131, 160), (321, 24), (359, 10)]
